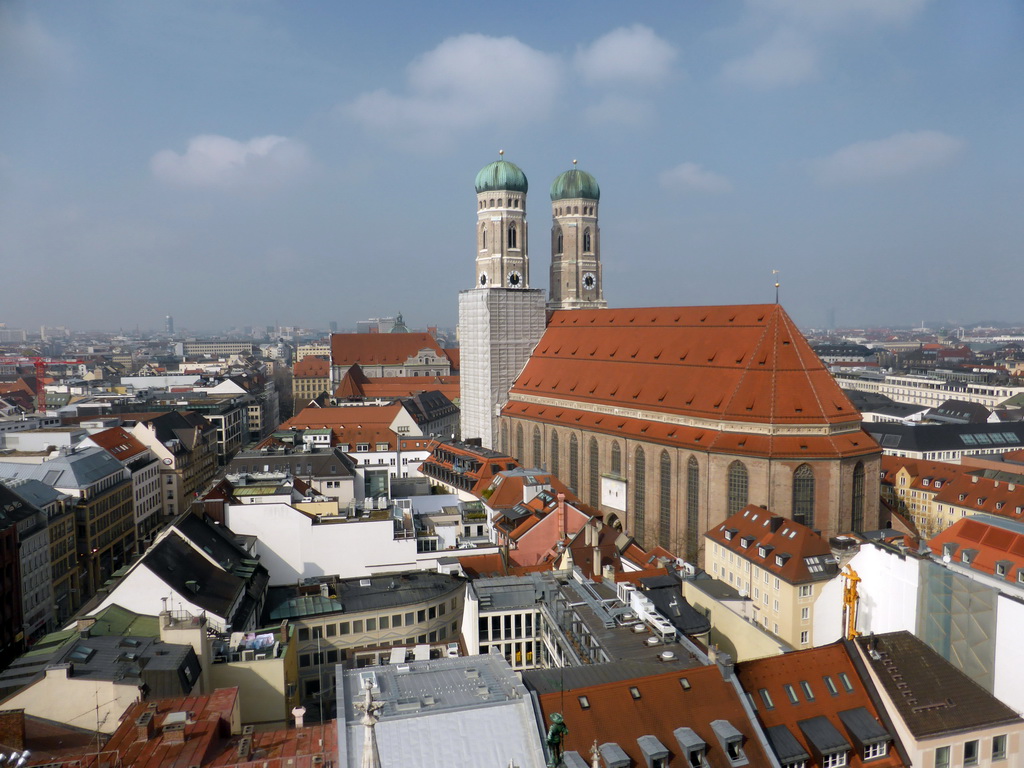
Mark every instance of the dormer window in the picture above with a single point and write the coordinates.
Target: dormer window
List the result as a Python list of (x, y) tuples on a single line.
[(779, 561), (728, 534), (762, 552), (966, 556)]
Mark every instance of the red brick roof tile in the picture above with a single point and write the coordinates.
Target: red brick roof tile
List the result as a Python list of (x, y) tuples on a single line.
[(746, 364)]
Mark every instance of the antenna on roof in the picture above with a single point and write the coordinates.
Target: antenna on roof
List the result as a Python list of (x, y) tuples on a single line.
[(775, 272)]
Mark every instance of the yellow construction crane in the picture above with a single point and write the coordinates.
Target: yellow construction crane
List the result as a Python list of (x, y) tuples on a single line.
[(850, 602)]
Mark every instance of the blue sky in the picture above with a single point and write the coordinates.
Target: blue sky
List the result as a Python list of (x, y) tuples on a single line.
[(246, 163)]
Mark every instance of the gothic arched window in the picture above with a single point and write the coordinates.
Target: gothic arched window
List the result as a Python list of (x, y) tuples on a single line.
[(483, 237), (639, 494), (737, 488), (558, 242), (616, 459), (692, 509), (537, 459), (665, 501), (574, 463), (554, 453), (519, 443), (595, 476), (803, 495), (857, 510), (512, 236), (504, 437), (586, 240)]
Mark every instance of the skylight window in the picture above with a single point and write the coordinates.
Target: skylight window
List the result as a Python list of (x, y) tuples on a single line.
[(847, 685), (584, 702)]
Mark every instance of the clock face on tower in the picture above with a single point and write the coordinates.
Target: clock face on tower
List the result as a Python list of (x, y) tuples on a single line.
[(515, 280), (589, 281)]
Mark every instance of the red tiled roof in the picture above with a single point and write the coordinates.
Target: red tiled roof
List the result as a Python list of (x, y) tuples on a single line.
[(312, 367), (753, 529), (119, 443), (772, 674), (991, 544), (924, 474), (455, 355), (660, 704), (982, 494), (380, 349), (732, 363)]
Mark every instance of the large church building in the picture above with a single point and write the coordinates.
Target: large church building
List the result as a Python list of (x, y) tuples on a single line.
[(668, 419)]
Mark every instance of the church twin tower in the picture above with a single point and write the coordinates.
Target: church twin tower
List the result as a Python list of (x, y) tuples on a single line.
[(501, 318), (503, 260)]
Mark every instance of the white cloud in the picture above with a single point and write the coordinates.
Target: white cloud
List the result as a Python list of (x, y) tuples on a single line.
[(627, 55), (28, 51), (690, 177), (898, 155), (466, 83), (786, 59), (217, 161), (832, 14)]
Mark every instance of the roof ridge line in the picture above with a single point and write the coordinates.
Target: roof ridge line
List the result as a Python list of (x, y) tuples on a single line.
[(810, 384)]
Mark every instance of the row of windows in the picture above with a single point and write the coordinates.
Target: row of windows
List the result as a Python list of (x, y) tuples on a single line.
[(737, 487), (972, 752), (372, 624), (507, 627), (512, 203)]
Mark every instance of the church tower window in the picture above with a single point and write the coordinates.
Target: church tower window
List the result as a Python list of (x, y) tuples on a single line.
[(512, 236), (595, 476), (639, 494), (665, 501), (737, 488), (574, 463), (857, 512), (692, 509), (483, 238), (558, 242), (803, 495), (586, 240)]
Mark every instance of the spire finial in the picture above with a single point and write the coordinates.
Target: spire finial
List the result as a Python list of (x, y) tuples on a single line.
[(501, 153), (574, 162), (775, 272)]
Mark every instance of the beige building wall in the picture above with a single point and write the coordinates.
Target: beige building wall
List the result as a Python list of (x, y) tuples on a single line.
[(731, 630), (87, 703), (784, 609)]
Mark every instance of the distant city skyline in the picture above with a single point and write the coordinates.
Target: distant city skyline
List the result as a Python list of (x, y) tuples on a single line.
[(239, 164)]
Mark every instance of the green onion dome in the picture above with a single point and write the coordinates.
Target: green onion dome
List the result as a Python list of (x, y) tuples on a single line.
[(501, 175), (575, 184)]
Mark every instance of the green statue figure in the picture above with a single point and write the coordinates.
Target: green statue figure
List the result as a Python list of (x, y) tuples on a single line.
[(556, 734)]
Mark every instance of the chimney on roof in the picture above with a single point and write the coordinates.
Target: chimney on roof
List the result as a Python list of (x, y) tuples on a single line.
[(174, 733), (776, 523), (12, 728), (974, 478), (563, 515), (144, 726), (244, 748), (299, 713)]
